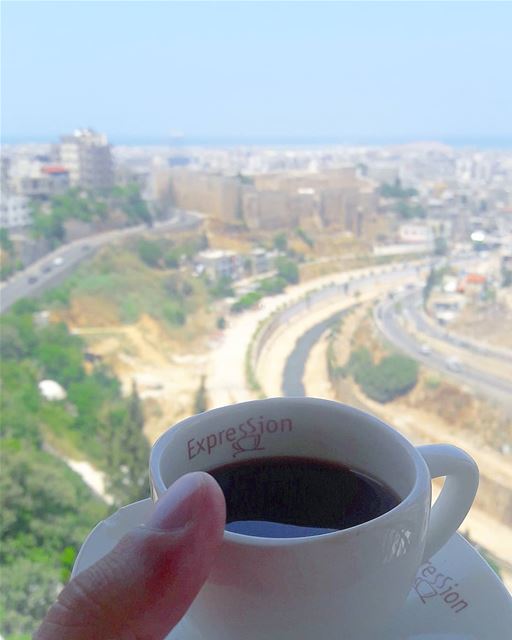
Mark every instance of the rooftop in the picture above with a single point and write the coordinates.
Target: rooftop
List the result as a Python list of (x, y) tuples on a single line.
[(215, 254), (53, 169)]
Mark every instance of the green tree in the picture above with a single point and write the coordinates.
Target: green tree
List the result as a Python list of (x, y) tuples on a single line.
[(45, 508), (45, 505), (11, 344), (78, 205), (200, 400), (49, 226), (435, 276), (67, 561), (5, 241), (408, 211), (127, 452), (130, 201), (150, 252), (281, 242), (20, 402), (60, 363), (174, 313), (288, 270), (246, 301), (30, 588), (222, 288), (305, 237), (6, 270), (272, 286), (172, 258), (396, 190), (393, 376)]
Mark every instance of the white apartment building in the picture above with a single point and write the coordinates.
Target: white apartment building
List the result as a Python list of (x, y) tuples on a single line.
[(87, 156), (14, 211), (220, 264), (416, 233)]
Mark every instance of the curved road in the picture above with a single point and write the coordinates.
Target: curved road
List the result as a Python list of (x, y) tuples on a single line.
[(46, 273), (388, 323), (412, 305)]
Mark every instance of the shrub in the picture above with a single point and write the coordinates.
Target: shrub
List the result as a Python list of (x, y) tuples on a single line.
[(247, 301), (201, 400), (222, 288), (393, 376), (172, 259), (288, 270), (305, 238), (174, 314), (280, 242), (272, 286), (149, 252), (129, 310)]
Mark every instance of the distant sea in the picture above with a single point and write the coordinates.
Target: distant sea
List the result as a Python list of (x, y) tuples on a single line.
[(478, 142)]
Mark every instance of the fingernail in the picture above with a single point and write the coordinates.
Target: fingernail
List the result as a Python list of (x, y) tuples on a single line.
[(179, 505)]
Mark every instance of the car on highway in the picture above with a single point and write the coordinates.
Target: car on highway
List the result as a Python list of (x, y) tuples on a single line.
[(32, 279), (58, 261), (425, 349), (453, 364)]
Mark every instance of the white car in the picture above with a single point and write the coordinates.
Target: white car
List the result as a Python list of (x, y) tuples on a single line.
[(58, 261), (453, 364), (425, 349)]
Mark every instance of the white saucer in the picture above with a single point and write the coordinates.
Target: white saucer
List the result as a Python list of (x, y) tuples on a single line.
[(456, 596)]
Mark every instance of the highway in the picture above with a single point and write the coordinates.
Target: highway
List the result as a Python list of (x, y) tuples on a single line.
[(388, 321), (412, 305), (56, 266)]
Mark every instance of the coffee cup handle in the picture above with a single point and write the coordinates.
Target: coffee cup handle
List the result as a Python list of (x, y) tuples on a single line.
[(456, 496)]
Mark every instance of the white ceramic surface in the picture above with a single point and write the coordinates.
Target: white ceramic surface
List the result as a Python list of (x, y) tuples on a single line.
[(297, 588), (480, 610)]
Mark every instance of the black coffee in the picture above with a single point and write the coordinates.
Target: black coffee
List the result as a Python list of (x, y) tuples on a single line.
[(291, 497)]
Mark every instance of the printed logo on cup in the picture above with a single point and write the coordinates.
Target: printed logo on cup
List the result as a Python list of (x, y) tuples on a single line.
[(246, 436), (431, 583)]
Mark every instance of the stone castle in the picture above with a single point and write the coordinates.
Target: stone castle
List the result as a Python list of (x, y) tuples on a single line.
[(335, 198)]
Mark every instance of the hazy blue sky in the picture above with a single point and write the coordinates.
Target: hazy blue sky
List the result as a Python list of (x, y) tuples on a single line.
[(143, 69)]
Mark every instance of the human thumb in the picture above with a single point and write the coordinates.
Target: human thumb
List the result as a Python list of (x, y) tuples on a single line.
[(144, 586)]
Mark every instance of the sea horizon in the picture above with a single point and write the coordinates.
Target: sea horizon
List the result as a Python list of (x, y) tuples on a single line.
[(183, 141)]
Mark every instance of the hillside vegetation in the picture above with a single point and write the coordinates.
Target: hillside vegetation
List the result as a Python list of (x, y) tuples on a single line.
[(143, 276), (46, 508)]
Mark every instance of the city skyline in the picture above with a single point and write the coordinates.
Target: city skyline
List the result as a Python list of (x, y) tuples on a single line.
[(273, 73)]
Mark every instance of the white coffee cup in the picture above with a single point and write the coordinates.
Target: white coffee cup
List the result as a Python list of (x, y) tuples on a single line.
[(347, 584)]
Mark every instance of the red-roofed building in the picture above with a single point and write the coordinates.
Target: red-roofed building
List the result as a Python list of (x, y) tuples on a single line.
[(472, 284), (54, 170), (475, 278), (44, 181)]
